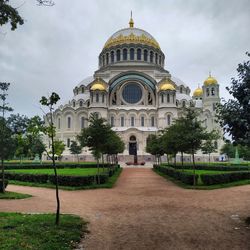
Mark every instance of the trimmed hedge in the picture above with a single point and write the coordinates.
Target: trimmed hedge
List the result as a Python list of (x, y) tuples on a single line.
[(184, 177), (207, 167), (58, 165), (212, 179), (63, 180), (5, 184)]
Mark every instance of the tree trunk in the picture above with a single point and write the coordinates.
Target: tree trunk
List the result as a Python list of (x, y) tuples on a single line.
[(209, 158), (182, 160), (3, 179), (102, 163), (175, 159), (78, 159), (98, 171), (194, 180)]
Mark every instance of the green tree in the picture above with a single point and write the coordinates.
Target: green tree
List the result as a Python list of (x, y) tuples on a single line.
[(9, 13), (234, 114), (22, 148), (210, 144), (6, 140), (75, 149), (18, 123), (50, 131)]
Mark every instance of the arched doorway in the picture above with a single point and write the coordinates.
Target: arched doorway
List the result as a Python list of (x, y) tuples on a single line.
[(133, 148)]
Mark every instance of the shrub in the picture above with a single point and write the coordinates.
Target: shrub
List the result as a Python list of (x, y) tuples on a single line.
[(39, 178), (184, 177), (5, 184), (212, 179)]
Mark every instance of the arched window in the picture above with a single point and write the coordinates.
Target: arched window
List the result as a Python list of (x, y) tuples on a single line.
[(181, 90), (112, 57), (103, 60), (142, 121), (59, 123), (112, 121), (118, 55), (82, 89), (145, 55), (122, 121), (168, 98), (97, 97), (156, 58), (92, 96), (207, 91), (107, 58), (103, 98), (74, 103), (168, 120), (68, 142), (183, 104), (132, 54), (125, 54), (152, 121), (212, 91), (82, 122), (139, 54), (77, 91), (159, 59), (80, 103), (151, 56), (162, 98), (132, 121), (69, 122)]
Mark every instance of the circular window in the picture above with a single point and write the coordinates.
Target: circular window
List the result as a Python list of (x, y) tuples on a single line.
[(132, 93)]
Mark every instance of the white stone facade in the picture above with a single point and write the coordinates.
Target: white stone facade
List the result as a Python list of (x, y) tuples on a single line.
[(134, 93)]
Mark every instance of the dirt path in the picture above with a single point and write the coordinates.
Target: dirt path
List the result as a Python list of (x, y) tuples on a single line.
[(144, 211)]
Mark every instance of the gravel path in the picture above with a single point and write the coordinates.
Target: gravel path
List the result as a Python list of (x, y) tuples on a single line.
[(144, 211)]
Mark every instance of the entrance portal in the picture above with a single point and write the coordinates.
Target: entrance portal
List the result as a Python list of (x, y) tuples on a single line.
[(133, 148)]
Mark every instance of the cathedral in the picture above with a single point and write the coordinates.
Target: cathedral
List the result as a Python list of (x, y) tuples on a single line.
[(133, 91)]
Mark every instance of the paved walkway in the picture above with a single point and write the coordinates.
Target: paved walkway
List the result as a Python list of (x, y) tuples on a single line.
[(144, 211)]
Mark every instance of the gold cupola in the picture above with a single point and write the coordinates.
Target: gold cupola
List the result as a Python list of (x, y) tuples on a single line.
[(166, 85), (98, 85), (198, 92), (210, 80)]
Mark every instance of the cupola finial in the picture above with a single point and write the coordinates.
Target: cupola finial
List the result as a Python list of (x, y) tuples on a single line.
[(131, 21)]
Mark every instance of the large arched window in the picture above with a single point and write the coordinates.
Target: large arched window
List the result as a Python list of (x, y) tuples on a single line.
[(132, 121), (82, 122), (139, 54), (97, 97), (80, 103), (112, 121), (118, 55), (162, 98), (181, 90), (152, 121), (142, 121), (69, 122), (107, 58), (103, 60), (168, 120), (103, 98), (151, 56), (132, 54), (168, 98), (122, 121), (125, 54), (156, 58), (145, 55), (112, 56)]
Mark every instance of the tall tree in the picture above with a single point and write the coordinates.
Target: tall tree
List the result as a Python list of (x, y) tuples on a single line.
[(50, 131), (234, 114), (6, 142)]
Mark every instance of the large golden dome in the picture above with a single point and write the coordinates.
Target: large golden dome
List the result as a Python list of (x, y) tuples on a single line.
[(210, 81), (131, 35), (166, 85), (198, 92)]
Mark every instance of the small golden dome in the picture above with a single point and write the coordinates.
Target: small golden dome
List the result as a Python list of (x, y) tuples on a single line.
[(198, 92), (167, 86), (210, 81), (98, 85)]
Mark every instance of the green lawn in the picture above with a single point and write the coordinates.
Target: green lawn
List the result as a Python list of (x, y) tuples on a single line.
[(12, 195), (38, 231), (60, 171), (205, 171)]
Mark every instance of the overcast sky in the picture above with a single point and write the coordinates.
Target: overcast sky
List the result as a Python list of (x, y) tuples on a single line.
[(58, 46)]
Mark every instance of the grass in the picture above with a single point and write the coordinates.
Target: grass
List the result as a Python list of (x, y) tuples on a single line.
[(38, 231), (200, 186), (13, 195), (64, 171), (109, 184)]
